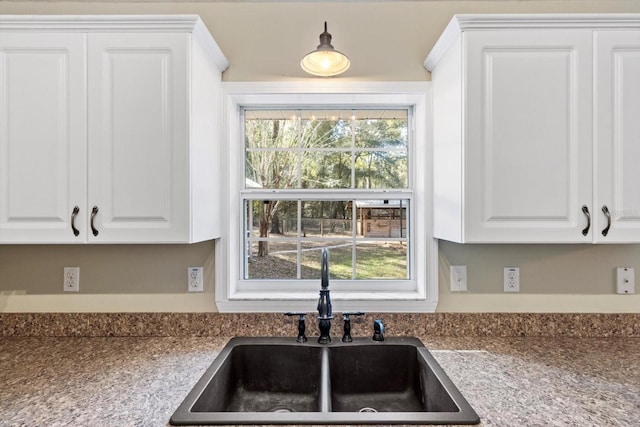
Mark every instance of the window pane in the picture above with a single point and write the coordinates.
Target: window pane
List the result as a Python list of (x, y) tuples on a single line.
[(266, 218), (271, 129), (381, 169), (381, 129), (322, 169), (381, 260), (326, 218), (279, 262), (325, 129), (271, 169), (382, 218), (340, 259)]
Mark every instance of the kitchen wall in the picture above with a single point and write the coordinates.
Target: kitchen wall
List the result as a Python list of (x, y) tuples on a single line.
[(386, 40)]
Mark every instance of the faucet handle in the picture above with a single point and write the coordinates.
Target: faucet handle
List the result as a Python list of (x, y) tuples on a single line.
[(346, 316), (352, 313), (301, 326)]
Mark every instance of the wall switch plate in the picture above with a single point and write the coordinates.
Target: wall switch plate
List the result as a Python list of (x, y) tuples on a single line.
[(195, 280), (458, 278), (625, 280), (511, 279), (71, 280)]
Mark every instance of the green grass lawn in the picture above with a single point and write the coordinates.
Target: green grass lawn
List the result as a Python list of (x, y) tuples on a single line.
[(376, 260)]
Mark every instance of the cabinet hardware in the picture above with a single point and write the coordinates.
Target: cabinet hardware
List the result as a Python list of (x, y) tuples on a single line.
[(94, 212), (74, 214), (585, 210), (605, 210)]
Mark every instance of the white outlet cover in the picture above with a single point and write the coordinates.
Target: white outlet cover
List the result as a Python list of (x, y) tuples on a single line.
[(625, 281), (511, 279), (458, 275), (195, 279), (71, 279)]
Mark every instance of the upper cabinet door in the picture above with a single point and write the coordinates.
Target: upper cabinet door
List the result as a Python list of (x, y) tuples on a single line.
[(617, 118), (42, 137), (527, 132), (139, 137)]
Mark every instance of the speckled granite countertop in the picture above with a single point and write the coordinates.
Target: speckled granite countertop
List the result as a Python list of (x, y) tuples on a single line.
[(139, 381)]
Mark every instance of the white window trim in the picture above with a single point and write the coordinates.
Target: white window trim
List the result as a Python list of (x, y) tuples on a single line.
[(421, 298)]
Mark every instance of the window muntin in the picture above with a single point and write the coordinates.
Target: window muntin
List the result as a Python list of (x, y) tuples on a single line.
[(298, 163)]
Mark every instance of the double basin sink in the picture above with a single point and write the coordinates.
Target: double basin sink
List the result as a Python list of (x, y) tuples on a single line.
[(278, 381)]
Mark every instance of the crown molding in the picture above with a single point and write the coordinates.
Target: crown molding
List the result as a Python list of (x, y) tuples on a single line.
[(102, 23), (118, 23), (464, 23)]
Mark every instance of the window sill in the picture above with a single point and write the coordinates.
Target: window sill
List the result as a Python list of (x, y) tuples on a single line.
[(405, 302)]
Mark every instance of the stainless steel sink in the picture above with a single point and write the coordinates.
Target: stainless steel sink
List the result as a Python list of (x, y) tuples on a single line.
[(279, 381)]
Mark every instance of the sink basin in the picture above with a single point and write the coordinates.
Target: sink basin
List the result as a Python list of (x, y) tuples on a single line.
[(389, 378), (264, 378), (280, 381)]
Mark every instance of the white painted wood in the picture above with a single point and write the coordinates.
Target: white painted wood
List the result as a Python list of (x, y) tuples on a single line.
[(470, 22), (205, 154), (528, 135), (145, 154), (42, 137), (617, 121), (538, 135), (448, 152), (138, 137)]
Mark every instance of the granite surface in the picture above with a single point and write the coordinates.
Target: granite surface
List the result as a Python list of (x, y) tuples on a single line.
[(274, 324), (139, 381)]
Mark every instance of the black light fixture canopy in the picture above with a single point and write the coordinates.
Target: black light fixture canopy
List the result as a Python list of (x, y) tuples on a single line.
[(325, 61)]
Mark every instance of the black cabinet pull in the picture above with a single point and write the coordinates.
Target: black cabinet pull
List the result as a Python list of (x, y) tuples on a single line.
[(606, 212), (74, 214), (94, 212), (585, 210)]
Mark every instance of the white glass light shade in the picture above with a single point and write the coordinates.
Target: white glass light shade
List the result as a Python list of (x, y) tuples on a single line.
[(325, 61)]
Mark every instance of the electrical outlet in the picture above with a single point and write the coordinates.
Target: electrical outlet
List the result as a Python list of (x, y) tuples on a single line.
[(625, 280), (511, 279), (458, 275), (71, 280), (195, 281)]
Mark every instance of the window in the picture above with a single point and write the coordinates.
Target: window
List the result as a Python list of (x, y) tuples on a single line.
[(322, 166), (299, 167)]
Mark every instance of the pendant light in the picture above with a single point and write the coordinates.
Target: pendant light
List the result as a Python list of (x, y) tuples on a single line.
[(325, 61)]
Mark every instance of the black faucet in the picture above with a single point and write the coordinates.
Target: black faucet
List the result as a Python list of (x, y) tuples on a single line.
[(324, 302)]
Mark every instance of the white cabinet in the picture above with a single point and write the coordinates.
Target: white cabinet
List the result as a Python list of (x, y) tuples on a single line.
[(514, 134), (109, 130), (617, 132), (43, 126)]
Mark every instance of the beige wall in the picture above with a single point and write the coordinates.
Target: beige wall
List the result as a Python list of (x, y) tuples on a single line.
[(265, 41)]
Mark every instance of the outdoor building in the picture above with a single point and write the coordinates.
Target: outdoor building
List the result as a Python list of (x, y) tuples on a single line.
[(381, 218)]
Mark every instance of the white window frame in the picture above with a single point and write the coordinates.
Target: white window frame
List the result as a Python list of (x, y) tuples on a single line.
[(232, 293)]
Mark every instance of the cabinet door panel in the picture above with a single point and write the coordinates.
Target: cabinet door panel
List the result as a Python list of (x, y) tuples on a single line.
[(139, 136), (528, 136), (42, 137), (617, 175)]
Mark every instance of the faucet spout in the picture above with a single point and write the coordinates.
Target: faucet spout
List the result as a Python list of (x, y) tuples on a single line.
[(324, 302), (324, 269)]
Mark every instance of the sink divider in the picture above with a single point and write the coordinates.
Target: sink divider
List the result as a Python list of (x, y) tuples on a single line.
[(325, 381)]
